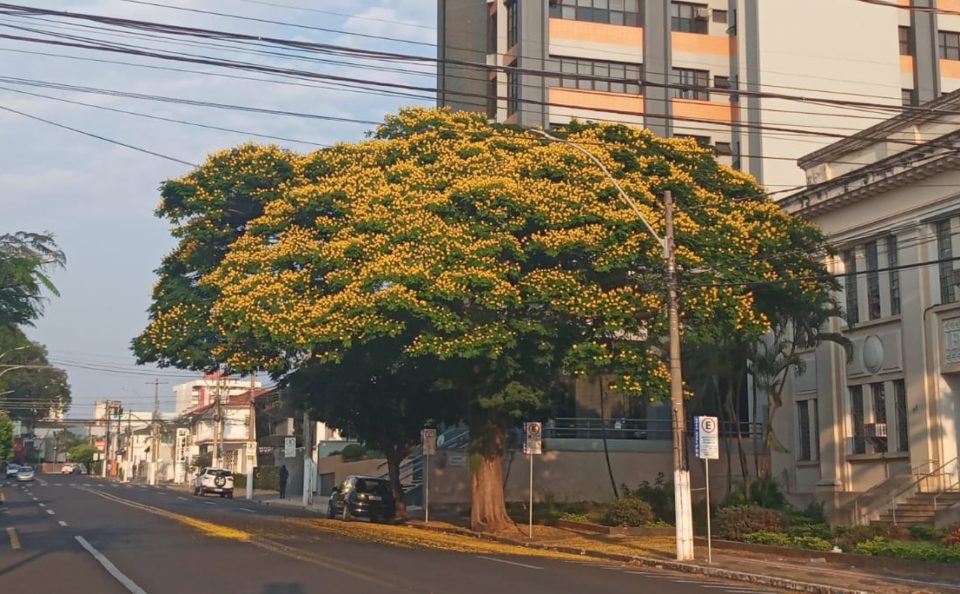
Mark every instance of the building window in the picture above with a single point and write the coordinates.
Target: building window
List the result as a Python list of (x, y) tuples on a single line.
[(720, 16), (513, 88), (873, 280), (906, 46), (949, 45), (513, 23), (593, 75), (692, 84), (900, 404), (612, 12), (492, 97), (948, 292), (721, 82), (879, 412), (908, 97), (724, 148), (893, 259), (850, 286), (803, 431), (856, 414), (689, 18)]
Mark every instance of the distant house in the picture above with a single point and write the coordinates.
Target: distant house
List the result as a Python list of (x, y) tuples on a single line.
[(224, 421)]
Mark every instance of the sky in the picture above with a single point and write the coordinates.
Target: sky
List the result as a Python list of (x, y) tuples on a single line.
[(98, 198)]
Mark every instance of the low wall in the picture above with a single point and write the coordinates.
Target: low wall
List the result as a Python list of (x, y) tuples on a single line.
[(341, 470), (570, 475)]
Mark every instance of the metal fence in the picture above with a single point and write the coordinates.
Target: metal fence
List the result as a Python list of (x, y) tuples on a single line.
[(648, 429)]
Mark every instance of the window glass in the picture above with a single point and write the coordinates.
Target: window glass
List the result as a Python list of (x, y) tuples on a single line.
[(873, 280), (893, 260), (856, 414), (948, 292), (803, 430), (613, 12), (850, 286)]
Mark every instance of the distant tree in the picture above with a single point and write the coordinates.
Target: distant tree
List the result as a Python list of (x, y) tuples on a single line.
[(82, 453), (203, 460), (35, 391), (26, 260), (6, 438)]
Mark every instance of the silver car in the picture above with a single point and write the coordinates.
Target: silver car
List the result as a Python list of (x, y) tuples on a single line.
[(24, 474), (12, 470)]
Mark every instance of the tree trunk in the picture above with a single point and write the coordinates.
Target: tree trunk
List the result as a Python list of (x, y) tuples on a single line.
[(606, 451), (488, 511), (395, 456)]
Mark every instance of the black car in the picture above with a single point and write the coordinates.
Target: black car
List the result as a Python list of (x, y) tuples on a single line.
[(362, 496)]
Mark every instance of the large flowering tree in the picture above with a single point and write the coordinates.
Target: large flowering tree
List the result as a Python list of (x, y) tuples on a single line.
[(504, 260)]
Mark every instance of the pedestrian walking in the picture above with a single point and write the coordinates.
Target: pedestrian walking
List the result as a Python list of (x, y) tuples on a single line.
[(284, 475)]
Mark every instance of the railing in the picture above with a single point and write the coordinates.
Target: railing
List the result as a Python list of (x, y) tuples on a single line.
[(913, 486), (637, 429), (948, 489)]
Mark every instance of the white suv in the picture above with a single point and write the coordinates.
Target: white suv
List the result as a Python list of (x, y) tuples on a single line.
[(214, 480)]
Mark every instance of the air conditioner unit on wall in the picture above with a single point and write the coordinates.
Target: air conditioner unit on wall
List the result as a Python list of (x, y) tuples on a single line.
[(703, 12), (876, 430)]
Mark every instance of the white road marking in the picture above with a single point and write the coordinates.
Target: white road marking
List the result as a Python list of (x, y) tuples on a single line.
[(50, 511), (34, 498), (40, 504), (246, 510), (58, 485), (110, 567), (649, 573), (62, 523), (184, 498), (508, 562), (14, 539), (209, 503)]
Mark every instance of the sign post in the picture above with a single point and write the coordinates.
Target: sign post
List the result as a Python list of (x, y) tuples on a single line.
[(428, 445), (707, 440), (532, 446)]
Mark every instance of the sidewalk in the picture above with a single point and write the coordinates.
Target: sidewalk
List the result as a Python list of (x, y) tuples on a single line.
[(270, 498), (813, 572)]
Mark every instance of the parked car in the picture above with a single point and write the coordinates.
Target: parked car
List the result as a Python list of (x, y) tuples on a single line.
[(214, 480), (362, 496), (69, 469), (12, 470), (80, 468), (24, 474)]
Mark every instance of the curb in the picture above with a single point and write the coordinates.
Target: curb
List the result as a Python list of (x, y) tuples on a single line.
[(717, 572)]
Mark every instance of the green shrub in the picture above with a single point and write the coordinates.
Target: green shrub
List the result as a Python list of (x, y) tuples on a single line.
[(266, 477), (848, 537), (765, 492), (811, 542), (925, 532), (659, 494), (353, 452), (815, 513), (821, 531), (768, 538), (736, 522), (572, 517), (629, 512), (912, 550)]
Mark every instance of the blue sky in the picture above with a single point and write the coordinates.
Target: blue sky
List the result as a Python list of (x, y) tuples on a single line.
[(98, 198)]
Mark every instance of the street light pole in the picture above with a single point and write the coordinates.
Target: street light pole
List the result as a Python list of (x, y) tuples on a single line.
[(681, 474)]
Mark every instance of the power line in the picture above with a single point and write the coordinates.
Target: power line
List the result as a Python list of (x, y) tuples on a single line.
[(164, 119), (99, 137), (341, 14)]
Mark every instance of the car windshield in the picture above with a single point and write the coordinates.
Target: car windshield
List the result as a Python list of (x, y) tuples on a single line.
[(25, 469), (214, 472), (373, 487)]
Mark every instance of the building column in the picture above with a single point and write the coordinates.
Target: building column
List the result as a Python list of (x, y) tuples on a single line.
[(926, 68), (657, 65)]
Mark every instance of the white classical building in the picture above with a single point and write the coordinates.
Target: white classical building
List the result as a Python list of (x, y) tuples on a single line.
[(889, 199)]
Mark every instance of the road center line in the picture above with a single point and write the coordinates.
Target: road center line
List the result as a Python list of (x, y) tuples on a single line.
[(250, 511), (50, 511), (209, 503), (62, 523), (14, 539), (508, 562), (110, 567), (184, 498), (41, 504)]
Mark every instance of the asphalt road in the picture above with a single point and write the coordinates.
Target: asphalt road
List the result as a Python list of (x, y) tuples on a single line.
[(86, 535)]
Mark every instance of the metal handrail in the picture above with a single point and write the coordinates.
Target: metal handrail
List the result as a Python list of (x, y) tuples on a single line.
[(910, 487), (944, 491)]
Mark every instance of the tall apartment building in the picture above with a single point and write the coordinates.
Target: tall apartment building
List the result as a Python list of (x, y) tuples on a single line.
[(202, 392), (713, 69)]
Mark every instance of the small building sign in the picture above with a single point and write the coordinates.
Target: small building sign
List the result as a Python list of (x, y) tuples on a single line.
[(951, 341), (289, 447)]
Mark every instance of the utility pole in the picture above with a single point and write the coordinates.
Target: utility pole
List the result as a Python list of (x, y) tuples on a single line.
[(219, 424), (251, 435), (308, 471), (681, 474), (106, 443), (155, 426)]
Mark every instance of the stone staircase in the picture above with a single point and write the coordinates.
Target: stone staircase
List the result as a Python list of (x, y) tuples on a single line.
[(917, 509)]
